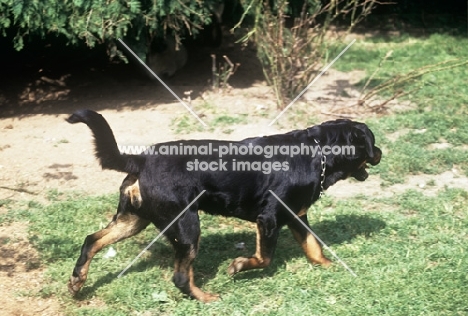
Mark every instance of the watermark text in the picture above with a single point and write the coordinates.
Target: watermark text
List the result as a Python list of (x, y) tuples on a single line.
[(236, 149)]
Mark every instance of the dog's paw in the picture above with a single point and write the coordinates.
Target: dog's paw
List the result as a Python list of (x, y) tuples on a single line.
[(204, 297), (237, 265), (326, 263), (208, 298), (74, 285)]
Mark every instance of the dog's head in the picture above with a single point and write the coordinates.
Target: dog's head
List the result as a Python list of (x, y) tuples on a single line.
[(349, 147)]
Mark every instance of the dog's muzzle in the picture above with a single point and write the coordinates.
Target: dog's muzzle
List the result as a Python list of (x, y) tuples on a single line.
[(361, 174)]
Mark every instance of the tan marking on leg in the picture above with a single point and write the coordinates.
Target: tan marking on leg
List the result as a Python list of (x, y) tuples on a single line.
[(124, 225), (257, 261), (302, 212), (311, 247), (197, 293), (313, 250), (184, 267), (131, 188), (258, 245)]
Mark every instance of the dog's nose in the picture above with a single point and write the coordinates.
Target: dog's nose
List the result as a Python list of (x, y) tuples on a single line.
[(377, 156)]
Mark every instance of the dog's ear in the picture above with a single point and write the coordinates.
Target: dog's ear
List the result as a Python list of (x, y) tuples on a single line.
[(368, 137), (314, 132)]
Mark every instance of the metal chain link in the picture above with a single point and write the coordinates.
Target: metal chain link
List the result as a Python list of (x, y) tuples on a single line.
[(323, 165)]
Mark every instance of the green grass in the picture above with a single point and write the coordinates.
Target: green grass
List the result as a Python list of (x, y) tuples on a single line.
[(409, 253), (224, 122), (441, 104), (215, 117)]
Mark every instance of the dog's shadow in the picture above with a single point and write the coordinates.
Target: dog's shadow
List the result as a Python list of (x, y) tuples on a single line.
[(217, 250)]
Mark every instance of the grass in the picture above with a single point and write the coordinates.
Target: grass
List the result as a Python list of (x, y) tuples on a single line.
[(441, 104), (215, 118), (409, 251), (224, 122)]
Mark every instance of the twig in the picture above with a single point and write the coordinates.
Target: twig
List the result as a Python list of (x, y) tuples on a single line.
[(338, 114), (230, 71), (19, 190), (213, 71), (398, 81), (387, 55)]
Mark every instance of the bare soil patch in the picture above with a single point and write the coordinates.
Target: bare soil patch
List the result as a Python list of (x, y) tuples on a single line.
[(21, 279)]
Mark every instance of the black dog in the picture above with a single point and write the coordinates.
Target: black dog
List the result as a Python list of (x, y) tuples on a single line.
[(159, 187)]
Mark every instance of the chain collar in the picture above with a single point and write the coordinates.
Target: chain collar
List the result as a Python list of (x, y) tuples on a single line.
[(323, 166)]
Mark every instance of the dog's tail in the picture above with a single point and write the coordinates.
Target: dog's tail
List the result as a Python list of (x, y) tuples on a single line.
[(106, 148)]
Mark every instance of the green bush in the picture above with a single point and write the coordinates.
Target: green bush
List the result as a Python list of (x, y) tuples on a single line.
[(98, 21)]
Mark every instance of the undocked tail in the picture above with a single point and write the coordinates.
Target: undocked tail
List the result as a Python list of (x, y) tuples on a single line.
[(106, 148)]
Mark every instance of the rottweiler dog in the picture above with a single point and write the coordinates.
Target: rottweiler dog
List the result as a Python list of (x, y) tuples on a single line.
[(236, 179)]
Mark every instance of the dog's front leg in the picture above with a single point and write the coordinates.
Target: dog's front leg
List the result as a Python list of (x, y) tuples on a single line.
[(122, 226), (267, 237), (309, 244)]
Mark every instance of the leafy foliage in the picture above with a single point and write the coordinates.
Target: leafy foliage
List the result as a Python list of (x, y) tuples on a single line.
[(99, 21)]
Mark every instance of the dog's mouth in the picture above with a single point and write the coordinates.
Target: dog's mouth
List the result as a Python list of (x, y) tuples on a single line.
[(361, 174), (377, 156)]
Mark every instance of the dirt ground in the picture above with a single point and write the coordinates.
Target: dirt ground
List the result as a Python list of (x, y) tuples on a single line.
[(39, 151)]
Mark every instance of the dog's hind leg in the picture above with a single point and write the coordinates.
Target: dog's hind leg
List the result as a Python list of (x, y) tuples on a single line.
[(309, 244), (267, 237), (123, 225), (185, 238)]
